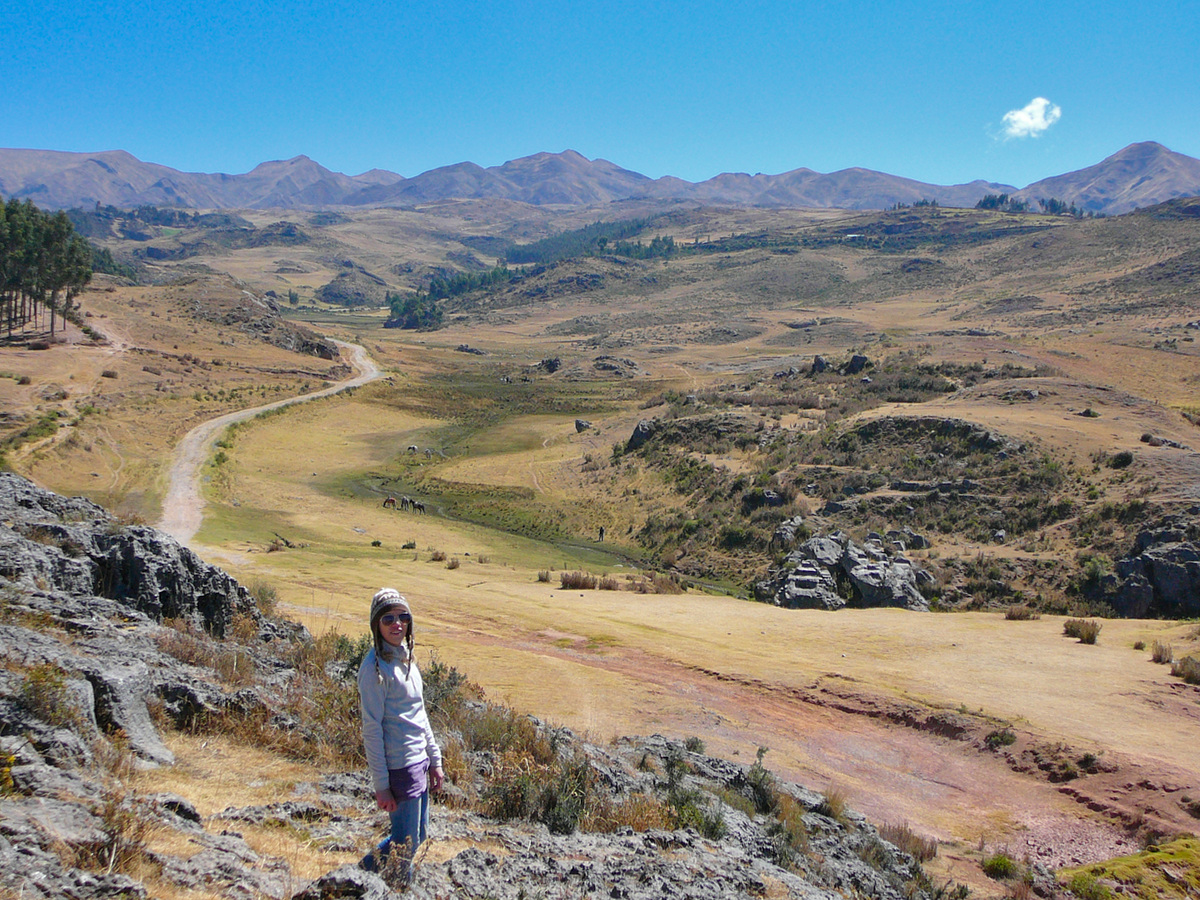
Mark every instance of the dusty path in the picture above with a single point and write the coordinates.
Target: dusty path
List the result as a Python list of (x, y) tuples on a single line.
[(183, 505)]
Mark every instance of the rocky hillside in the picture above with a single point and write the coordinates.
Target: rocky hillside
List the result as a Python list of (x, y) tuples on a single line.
[(113, 633)]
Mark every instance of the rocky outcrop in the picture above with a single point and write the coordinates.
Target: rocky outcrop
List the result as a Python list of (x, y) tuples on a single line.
[(1161, 577), (832, 571), (74, 546), (642, 432)]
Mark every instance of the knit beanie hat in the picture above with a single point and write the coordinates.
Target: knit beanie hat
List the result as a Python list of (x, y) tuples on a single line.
[(385, 599)]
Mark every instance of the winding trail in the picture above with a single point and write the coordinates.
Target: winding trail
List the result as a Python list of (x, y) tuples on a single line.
[(183, 505)]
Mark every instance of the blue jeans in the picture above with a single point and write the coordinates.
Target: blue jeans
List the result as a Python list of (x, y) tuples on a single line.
[(410, 822)]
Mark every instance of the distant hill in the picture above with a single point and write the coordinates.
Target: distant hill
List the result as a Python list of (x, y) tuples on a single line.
[(1139, 175)]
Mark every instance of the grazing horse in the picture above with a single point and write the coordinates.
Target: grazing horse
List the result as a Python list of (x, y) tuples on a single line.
[(418, 506), (405, 503), (390, 502), (412, 448)]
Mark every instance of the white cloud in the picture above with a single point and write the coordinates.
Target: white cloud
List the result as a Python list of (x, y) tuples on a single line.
[(1030, 121)]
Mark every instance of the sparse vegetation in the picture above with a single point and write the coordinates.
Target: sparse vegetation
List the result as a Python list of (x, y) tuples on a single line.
[(1087, 631), (1187, 668)]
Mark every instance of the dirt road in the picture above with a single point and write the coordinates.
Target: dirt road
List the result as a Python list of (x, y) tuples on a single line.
[(183, 505)]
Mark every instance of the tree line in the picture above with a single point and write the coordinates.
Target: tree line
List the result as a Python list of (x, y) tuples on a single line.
[(44, 264), (1051, 206)]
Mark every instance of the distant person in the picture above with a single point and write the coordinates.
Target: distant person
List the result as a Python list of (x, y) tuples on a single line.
[(403, 756), (602, 534)]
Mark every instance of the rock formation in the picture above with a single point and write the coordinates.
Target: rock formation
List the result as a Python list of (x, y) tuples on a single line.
[(832, 571), (1161, 577)]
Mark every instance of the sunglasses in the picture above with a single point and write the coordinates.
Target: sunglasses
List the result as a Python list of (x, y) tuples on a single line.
[(393, 618)]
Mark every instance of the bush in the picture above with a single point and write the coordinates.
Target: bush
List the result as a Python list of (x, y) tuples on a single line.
[(109, 373), (543, 576), (1086, 630), (1188, 669), (1000, 866), (266, 598), (437, 556), (1021, 613), (1003, 737), (1162, 653), (453, 563), (579, 581), (1120, 460), (1087, 887)]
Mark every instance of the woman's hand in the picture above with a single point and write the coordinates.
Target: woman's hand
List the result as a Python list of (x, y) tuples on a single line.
[(385, 801), (436, 777)]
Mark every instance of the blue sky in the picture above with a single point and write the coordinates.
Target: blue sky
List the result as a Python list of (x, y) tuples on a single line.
[(918, 89)]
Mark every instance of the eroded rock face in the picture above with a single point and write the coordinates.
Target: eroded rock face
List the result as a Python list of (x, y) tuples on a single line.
[(1162, 576), (832, 571)]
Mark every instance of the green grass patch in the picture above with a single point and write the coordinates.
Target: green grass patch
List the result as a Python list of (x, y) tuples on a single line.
[(1168, 871)]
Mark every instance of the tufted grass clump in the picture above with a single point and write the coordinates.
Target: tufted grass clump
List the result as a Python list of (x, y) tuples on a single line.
[(1161, 652), (833, 803), (1188, 669), (1086, 630), (578, 581), (1022, 612), (901, 836)]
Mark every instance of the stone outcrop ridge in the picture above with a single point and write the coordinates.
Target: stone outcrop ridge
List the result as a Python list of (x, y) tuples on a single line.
[(832, 571), (1161, 577)]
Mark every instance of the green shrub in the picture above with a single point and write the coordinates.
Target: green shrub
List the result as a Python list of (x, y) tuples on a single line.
[(266, 598), (1087, 887), (694, 745), (1120, 460), (1000, 866), (1003, 737)]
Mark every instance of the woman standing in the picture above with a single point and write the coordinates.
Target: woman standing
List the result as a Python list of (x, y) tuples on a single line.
[(403, 757)]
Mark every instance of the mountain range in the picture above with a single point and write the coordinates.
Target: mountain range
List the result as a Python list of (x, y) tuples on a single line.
[(1141, 174)]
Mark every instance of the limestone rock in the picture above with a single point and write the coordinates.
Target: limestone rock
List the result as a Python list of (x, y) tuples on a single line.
[(832, 571)]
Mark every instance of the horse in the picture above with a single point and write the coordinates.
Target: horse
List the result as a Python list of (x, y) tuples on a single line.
[(390, 502)]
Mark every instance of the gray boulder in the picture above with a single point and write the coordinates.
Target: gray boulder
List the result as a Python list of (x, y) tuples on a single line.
[(642, 432), (832, 571)]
